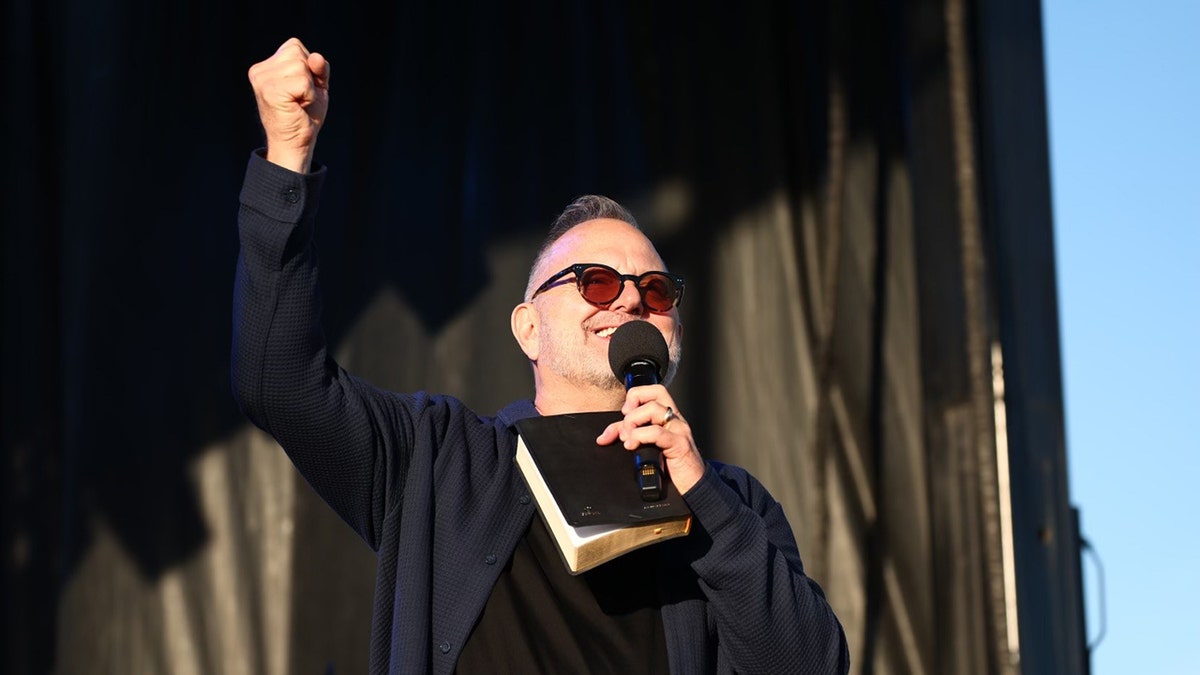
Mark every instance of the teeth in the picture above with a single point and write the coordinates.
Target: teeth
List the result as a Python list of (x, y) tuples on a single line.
[(605, 332)]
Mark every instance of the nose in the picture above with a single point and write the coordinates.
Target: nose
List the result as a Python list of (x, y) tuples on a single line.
[(630, 299)]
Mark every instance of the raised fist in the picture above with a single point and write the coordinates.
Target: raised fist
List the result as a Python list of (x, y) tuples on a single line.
[(292, 90)]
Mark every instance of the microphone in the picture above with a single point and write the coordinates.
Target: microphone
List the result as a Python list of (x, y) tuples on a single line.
[(638, 356)]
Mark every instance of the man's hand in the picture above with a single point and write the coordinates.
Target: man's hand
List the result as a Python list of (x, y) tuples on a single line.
[(292, 90), (648, 423)]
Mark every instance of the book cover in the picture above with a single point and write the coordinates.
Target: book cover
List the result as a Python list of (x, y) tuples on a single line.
[(588, 494)]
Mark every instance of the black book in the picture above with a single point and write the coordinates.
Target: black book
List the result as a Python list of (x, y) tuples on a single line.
[(588, 494)]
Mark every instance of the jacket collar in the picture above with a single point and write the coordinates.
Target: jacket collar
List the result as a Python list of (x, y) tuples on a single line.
[(516, 411)]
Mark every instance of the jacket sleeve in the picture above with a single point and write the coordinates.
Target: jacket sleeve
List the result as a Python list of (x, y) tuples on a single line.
[(770, 617), (331, 424)]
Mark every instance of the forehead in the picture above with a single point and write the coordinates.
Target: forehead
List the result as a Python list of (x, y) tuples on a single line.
[(604, 240)]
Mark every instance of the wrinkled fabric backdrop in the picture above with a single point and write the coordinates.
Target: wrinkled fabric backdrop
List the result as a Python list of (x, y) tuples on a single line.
[(814, 169)]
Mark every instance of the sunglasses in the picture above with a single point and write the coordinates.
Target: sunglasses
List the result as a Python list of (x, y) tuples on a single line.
[(600, 285)]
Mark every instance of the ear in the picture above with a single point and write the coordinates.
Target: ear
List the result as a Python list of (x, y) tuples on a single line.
[(525, 329)]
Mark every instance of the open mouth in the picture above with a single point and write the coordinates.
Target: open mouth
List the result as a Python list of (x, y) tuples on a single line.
[(606, 332)]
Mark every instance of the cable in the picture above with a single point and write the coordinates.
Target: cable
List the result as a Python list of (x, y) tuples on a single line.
[(1087, 547)]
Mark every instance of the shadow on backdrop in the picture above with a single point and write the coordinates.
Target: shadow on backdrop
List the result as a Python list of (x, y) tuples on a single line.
[(767, 151)]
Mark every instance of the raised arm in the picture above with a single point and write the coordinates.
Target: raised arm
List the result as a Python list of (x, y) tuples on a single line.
[(349, 439)]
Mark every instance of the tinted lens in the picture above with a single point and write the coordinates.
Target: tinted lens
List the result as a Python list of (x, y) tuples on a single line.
[(658, 291), (599, 285)]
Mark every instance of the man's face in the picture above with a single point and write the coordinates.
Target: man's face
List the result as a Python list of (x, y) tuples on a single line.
[(573, 334)]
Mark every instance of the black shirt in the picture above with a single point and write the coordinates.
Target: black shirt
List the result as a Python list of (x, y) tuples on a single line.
[(541, 619)]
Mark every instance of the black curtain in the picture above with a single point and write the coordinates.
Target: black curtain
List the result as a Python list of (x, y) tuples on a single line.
[(768, 150)]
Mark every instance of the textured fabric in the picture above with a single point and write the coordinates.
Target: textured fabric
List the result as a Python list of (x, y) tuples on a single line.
[(432, 487)]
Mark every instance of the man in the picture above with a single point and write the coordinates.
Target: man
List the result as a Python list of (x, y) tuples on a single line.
[(468, 580)]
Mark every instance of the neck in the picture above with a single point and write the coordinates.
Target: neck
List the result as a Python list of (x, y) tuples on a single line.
[(577, 398)]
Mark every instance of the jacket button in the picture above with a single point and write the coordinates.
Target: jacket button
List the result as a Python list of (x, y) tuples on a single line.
[(444, 647), (292, 195), (524, 499), (490, 559)]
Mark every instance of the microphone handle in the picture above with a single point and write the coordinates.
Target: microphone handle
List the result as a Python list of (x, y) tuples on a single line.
[(648, 458)]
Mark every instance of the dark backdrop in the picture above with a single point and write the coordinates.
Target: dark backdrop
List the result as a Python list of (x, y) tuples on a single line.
[(817, 170)]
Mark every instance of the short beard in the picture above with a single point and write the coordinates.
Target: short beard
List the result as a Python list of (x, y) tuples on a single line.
[(577, 373), (587, 374), (675, 351), (573, 367)]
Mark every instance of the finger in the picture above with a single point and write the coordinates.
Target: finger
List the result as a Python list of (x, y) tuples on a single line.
[(294, 79), (651, 435), (293, 45), (611, 433), (286, 90), (295, 72), (637, 396), (670, 416), (319, 67), (649, 414)]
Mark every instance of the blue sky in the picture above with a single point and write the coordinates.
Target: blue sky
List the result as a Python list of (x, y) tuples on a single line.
[(1123, 84)]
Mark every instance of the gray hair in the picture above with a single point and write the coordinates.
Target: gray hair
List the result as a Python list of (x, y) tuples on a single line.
[(583, 209)]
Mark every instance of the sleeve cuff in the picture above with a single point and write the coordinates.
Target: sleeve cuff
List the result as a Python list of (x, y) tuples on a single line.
[(712, 502), (278, 193)]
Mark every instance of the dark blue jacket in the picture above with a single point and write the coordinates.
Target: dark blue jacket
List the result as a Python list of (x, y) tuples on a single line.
[(433, 489)]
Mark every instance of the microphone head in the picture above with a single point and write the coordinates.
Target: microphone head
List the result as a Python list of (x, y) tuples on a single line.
[(636, 341)]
